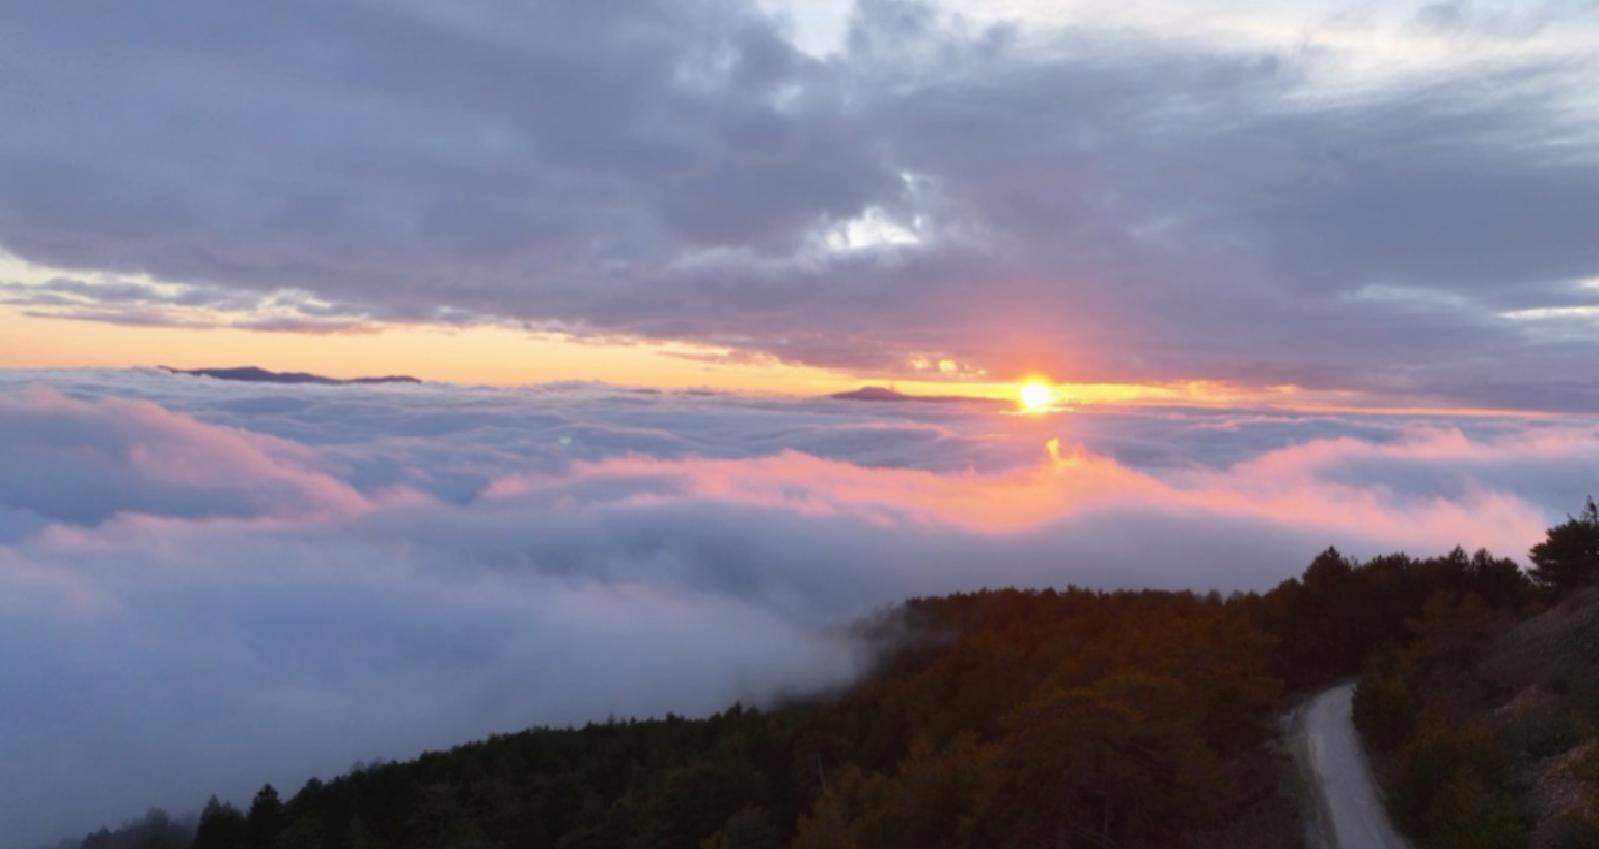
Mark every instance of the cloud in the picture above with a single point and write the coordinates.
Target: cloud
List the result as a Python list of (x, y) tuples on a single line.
[(206, 585), (83, 462), (1295, 197), (138, 303)]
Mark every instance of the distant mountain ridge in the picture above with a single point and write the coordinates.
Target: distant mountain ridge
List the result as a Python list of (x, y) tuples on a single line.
[(254, 374), (883, 393)]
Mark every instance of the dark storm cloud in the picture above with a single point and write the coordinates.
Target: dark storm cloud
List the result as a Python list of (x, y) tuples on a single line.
[(1098, 203)]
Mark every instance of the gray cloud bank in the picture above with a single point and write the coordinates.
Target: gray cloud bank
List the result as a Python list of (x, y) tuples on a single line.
[(1148, 200), (204, 585)]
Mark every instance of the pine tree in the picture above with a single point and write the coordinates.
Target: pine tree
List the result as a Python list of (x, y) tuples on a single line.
[(265, 817), (1568, 557)]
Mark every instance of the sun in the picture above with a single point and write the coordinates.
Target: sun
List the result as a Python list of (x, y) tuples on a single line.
[(1035, 396)]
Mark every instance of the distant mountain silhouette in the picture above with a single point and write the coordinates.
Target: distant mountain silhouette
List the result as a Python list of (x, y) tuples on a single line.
[(883, 393), (252, 374)]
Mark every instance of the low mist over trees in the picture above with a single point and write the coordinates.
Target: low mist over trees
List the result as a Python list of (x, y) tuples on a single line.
[(155, 830)]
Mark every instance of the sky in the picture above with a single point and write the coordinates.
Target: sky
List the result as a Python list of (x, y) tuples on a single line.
[(1285, 275), (1385, 203)]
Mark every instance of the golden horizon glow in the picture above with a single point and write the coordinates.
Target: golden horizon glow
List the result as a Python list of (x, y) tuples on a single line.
[(498, 355), (508, 356)]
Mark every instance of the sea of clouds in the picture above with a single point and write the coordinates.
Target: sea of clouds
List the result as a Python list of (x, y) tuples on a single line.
[(207, 585)]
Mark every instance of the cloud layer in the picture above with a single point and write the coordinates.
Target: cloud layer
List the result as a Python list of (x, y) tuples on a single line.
[(1397, 203), (204, 585)]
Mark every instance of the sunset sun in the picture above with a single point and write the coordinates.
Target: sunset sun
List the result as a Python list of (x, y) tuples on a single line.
[(1035, 396)]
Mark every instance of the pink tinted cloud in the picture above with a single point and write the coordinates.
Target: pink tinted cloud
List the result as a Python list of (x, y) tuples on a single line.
[(81, 461), (1299, 487)]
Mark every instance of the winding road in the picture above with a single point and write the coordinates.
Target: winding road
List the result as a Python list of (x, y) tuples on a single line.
[(1349, 813)]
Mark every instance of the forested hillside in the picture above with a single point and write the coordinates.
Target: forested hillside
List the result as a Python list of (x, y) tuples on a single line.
[(997, 718), (1485, 722)]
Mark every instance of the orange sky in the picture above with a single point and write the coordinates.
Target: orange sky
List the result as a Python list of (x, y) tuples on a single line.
[(475, 354), (504, 355), (499, 355)]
